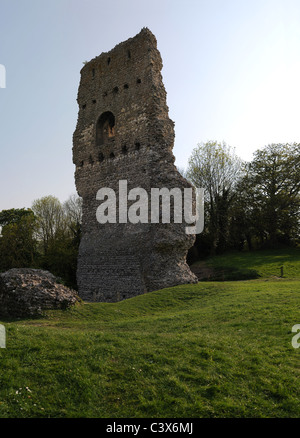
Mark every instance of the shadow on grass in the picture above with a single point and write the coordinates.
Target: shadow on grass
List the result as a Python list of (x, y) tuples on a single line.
[(224, 273), (283, 263)]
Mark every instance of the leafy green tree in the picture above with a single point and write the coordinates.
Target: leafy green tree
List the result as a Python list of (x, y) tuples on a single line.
[(50, 219), (216, 168), (13, 215), (46, 236), (274, 185), (18, 246), (59, 232), (246, 221), (61, 259)]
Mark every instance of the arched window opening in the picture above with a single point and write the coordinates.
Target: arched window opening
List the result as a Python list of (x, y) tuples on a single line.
[(105, 128)]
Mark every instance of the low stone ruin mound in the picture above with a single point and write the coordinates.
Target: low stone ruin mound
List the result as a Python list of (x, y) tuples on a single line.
[(29, 292)]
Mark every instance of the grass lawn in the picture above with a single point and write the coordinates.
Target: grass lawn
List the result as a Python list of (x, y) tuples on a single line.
[(215, 349), (265, 264)]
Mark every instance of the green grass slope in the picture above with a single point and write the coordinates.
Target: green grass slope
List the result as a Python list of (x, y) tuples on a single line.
[(215, 349), (255, 264)]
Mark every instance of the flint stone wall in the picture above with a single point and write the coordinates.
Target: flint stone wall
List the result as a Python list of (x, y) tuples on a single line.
[(29, 292), (124, 132)]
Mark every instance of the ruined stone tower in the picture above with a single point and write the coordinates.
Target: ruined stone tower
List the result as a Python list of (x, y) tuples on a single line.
[(124, 133)]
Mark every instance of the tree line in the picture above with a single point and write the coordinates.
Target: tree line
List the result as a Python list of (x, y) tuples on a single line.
[(45, 236), (248, 205)]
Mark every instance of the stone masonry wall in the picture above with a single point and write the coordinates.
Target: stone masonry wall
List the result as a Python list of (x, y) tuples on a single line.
[(124, 132)]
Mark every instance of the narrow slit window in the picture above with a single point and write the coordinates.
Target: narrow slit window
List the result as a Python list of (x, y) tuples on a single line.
[(101, 157)]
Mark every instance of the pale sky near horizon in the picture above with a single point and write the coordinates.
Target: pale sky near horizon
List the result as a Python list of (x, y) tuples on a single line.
[(231, 72)]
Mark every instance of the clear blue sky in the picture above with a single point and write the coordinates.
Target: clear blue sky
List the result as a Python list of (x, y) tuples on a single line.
[(231, 71)]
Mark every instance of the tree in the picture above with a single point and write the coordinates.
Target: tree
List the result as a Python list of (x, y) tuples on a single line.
[(59, 231), (17, 242), (273, 181), (246, 222), (73, 209), (216, 168), (73, 213), (50, 219), (47, 237), (13, 215)]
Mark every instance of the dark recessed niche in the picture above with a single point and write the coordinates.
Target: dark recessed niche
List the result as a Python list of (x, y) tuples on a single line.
[(94, 101), (128, 54), (112, 155), (137, 146), (91, 161), (81, 163), (108, 61), (124, 149), (83, 106), (104, 94), (126, 86), (138, 81), (100, 157), (93, 73), (105, 128), (116, 90)]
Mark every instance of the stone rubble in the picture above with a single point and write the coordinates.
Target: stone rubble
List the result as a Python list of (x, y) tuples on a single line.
[(28, 292)]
